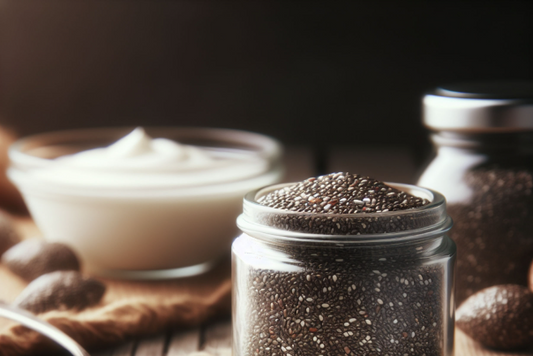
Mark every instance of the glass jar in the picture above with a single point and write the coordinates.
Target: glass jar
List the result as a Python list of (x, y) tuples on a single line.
[(483, 134), (389, 292)]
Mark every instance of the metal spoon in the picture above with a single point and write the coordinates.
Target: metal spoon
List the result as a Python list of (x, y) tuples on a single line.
[(31, 321)]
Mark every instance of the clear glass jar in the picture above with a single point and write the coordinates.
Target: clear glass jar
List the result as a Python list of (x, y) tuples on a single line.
[(487, 179), (389, 292), (483, 134)]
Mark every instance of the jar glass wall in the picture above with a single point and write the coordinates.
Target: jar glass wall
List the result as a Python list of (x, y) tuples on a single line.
[(301, 293)]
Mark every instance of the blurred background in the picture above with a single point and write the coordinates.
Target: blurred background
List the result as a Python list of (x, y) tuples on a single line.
[(313, 73)]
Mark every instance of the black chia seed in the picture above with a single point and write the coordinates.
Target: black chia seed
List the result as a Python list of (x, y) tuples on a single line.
[(339, 300), (341, 193), (493, 230), (336, 195)]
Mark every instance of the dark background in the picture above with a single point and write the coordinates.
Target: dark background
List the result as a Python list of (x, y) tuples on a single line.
[(318, 73)]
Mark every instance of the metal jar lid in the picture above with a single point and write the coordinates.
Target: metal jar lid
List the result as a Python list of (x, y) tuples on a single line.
[(480, 107)]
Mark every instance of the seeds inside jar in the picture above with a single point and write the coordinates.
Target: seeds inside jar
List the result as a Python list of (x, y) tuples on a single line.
[(339, 300), (325, 200)]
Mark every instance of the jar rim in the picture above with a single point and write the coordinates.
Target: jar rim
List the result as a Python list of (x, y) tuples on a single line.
[(431, 220)]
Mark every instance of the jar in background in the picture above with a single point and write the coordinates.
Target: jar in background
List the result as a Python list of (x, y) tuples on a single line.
[(483, 133), (387, 292)]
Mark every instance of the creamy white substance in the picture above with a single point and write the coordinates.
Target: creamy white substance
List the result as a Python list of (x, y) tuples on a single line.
[(139, 161)]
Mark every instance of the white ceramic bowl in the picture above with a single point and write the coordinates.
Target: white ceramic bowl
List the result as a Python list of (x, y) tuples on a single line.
[(145, 233)]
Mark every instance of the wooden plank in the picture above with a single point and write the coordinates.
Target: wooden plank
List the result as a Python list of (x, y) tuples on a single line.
[(102, 353), (464, 345), (126, 349), (154, 346), (122, 350), (389, 164), (183, 343), (218, 338)]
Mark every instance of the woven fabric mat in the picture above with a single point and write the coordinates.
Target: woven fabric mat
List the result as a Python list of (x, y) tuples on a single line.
[(128, 310)]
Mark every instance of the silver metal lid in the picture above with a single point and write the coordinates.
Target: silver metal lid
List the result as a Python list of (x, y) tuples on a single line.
[(480, 107)]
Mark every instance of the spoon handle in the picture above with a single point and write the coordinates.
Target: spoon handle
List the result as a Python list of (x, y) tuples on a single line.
[(31, 321)]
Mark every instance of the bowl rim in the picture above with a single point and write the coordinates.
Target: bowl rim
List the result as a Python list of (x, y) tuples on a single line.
[(265, 147)]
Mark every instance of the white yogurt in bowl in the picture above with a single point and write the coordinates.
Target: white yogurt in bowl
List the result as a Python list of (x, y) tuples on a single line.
[(154, 203)]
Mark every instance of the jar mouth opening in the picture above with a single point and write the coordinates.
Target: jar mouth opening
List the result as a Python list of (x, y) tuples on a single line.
[(394, 226)]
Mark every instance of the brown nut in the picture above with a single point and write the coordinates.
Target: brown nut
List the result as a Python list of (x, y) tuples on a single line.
[(32, 258), (62, 290), (8, 235), (500, 317)]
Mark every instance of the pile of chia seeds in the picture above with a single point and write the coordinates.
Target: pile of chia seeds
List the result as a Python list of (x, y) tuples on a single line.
[(338, 194), (341, 193), (341, 300), (493, 229)]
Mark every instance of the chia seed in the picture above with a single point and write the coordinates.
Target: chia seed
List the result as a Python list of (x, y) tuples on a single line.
[(394, 313), (341, 193), (341, 300), (327, 204)]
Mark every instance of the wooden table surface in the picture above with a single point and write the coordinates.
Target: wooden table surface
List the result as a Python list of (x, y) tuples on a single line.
[(387, 164), (215, 339)]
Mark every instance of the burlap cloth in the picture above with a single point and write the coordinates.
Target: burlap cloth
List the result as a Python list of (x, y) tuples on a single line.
[(128, 309)]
